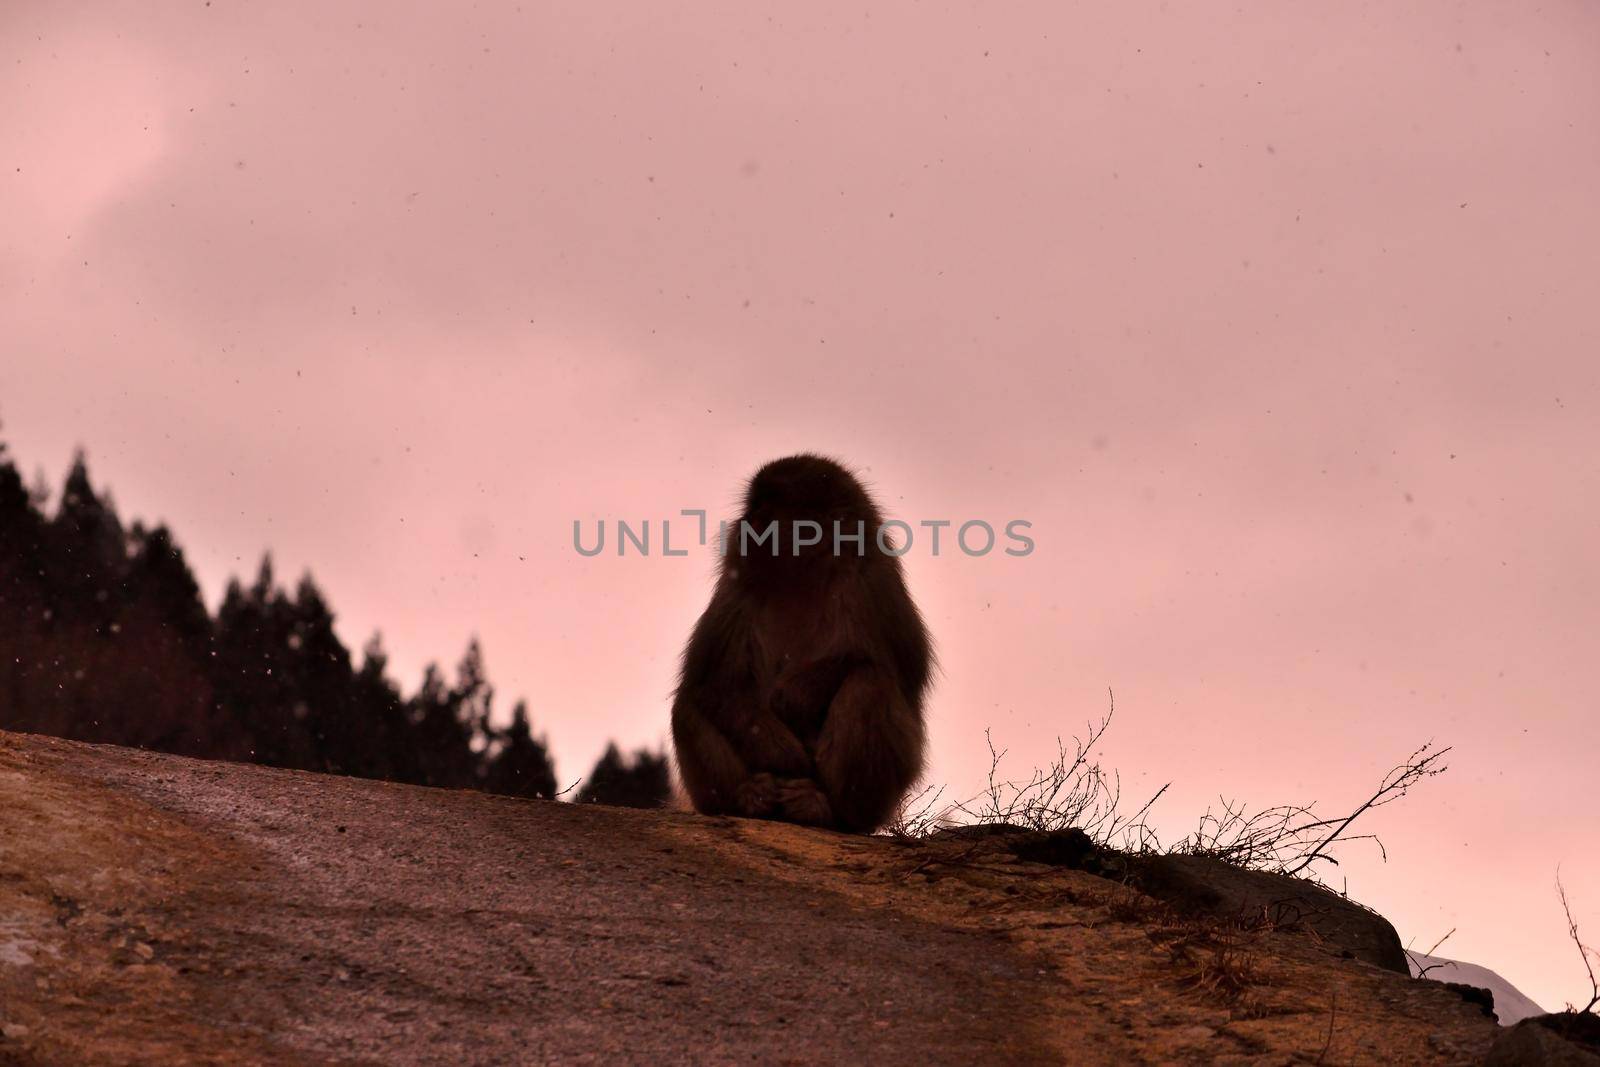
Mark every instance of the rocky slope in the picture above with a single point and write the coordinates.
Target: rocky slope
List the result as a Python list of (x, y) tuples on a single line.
[(1511, 1005), (162, 910)]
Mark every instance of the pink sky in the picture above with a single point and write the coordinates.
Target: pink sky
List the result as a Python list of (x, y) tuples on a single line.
[(1278, 323)]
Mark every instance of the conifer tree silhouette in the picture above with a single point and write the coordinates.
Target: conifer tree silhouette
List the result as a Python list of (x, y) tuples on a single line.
[(521, 764), (645, 782), (104, 636)]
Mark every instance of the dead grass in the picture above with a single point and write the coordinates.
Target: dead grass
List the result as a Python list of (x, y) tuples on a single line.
[(1220, 967), (1290, 838), (1221, 960), (1075, 791)]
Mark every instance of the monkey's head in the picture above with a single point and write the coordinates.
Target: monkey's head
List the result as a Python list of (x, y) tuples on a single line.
[(803, 489)]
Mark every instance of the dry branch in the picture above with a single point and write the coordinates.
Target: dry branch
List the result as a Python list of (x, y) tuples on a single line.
[(1587, 954)]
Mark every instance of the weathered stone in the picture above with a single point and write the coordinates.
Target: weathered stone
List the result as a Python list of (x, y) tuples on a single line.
[(1204, 886), (1561, 1039), (1473, 994)]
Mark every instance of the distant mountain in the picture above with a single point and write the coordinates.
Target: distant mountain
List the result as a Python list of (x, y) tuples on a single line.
[(1510, 1004)]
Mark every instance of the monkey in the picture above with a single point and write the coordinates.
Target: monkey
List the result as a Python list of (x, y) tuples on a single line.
[(800, 691)]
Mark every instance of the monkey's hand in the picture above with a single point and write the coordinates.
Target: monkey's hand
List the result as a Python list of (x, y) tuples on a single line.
[(803, 801), (770, 745), (757, 796)]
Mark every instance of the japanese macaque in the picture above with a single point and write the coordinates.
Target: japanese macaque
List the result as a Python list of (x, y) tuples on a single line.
[(800, 695)]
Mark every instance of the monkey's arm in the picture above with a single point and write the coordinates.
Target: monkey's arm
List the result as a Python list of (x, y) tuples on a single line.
[(733, 729), (720, 693), (730, 745), (870, 750), (711, 769), (724, 778)]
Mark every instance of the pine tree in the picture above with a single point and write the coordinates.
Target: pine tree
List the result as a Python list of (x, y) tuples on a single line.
[(441, 737), (644, 783), (24, 602), (90, 548), (380, 718), (474, 696), (521, 764), (157, 646), (159, 574), (321, 682), (252, 672)]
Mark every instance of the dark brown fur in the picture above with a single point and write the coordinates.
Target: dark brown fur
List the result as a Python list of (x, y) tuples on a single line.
[(801, 692)]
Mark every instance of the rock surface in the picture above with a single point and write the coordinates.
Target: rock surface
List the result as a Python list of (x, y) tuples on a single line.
[(1210, 887), (1511, 1005), (155, 909), (1202, 886), (1560, 1039)]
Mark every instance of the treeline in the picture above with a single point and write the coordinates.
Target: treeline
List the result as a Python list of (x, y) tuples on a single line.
[(104, 637)]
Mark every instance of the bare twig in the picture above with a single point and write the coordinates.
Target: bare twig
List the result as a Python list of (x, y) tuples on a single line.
[(1422, 972), (1076, 791), (1587, 954), (1289, 838), (1421, 764), (918, 815), (1333, 1012)]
